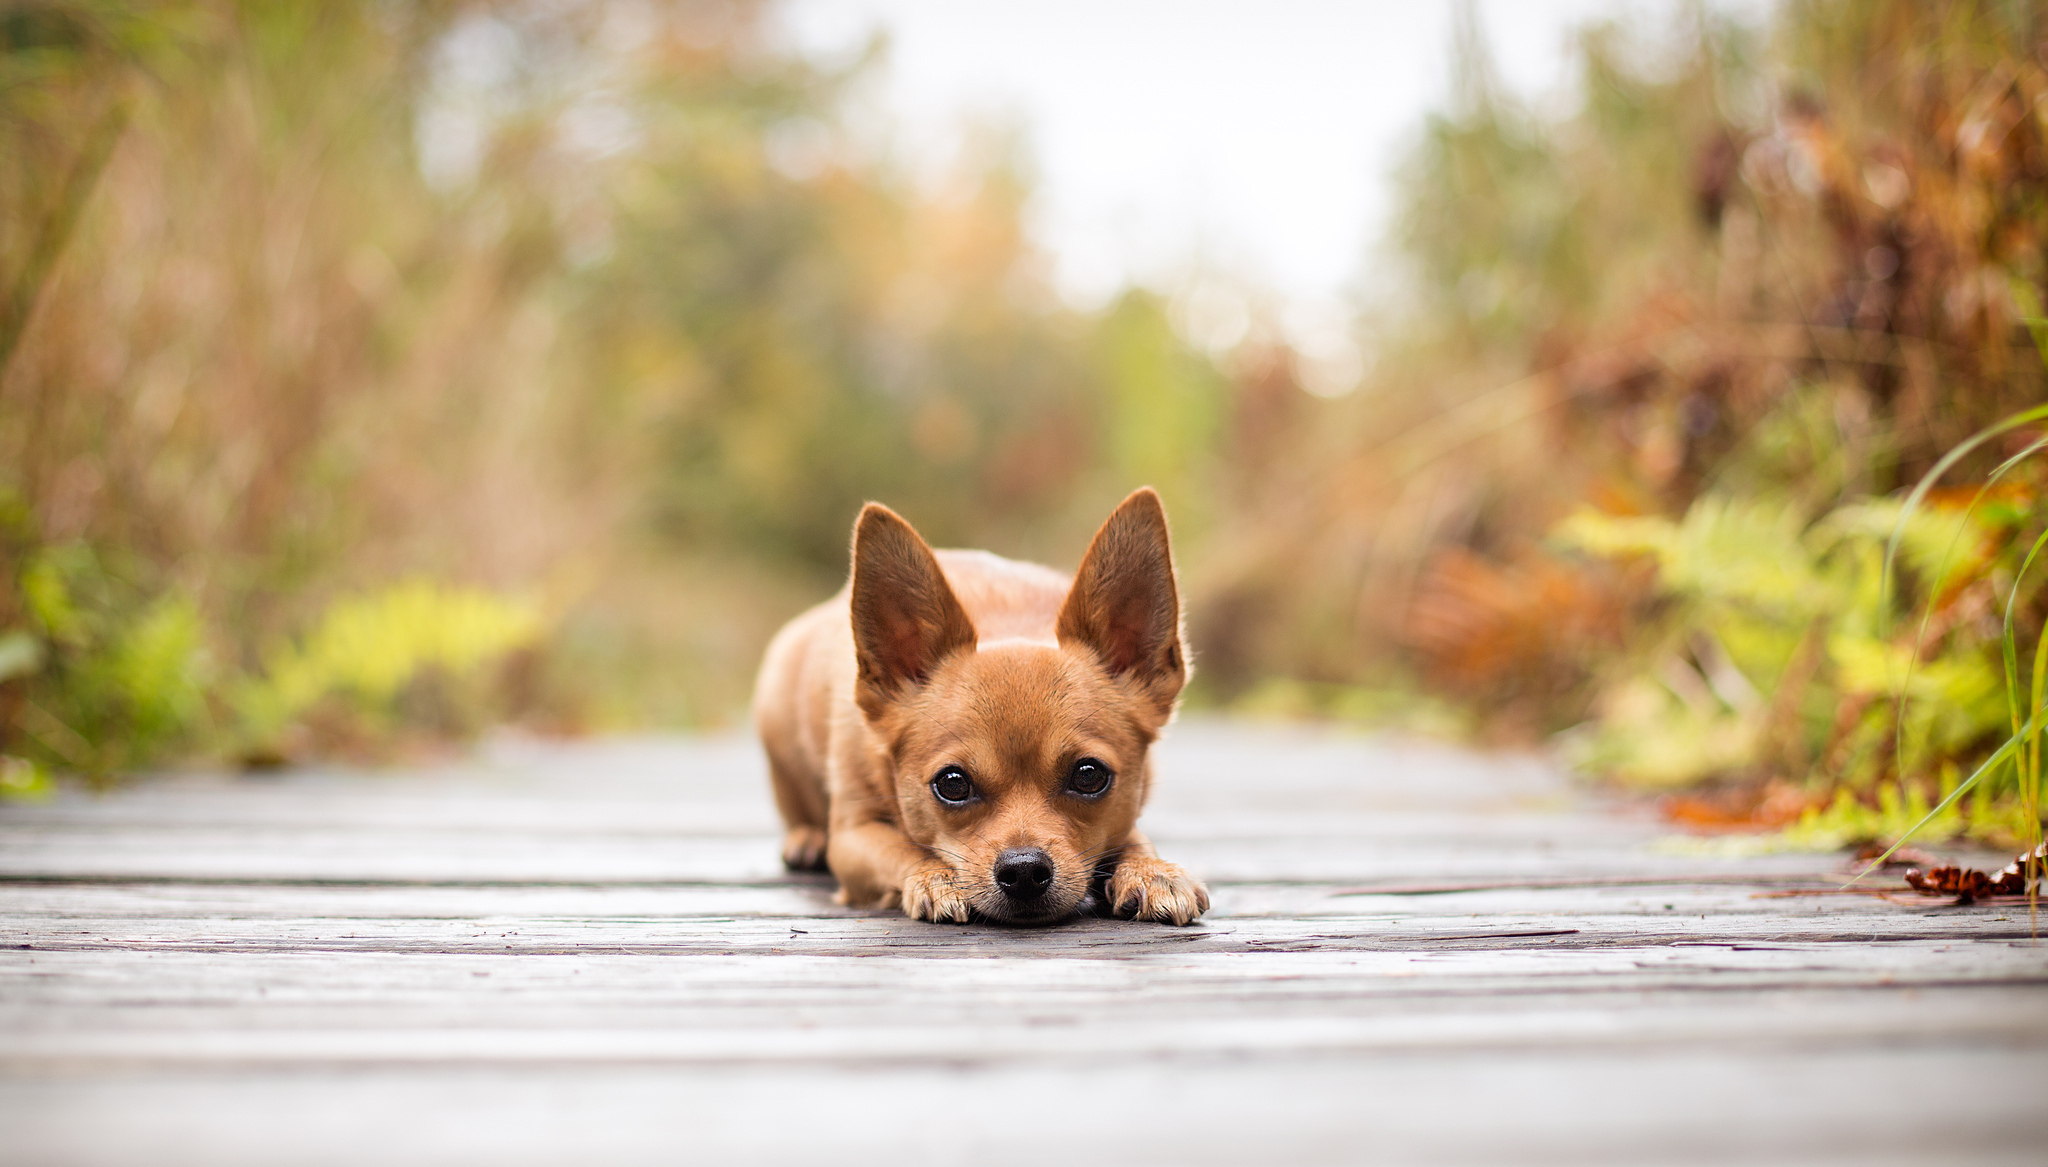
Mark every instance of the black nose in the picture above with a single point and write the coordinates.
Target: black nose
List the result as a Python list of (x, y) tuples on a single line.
[(1023, 873)]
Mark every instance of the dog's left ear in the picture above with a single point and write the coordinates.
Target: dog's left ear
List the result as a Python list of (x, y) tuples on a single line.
[(1125, 603), (906, 618)]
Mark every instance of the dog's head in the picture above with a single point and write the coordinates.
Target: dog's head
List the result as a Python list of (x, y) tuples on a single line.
[(1020, 763)]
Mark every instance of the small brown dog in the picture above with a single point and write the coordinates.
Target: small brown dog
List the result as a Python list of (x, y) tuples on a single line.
[(964, 736)]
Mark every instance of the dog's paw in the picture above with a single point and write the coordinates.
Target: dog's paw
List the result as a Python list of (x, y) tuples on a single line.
[(930, 893), (1144, 888), (803, 849)]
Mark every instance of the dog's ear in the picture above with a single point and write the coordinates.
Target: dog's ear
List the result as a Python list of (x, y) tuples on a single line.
[(1125, 605), (905, 616)]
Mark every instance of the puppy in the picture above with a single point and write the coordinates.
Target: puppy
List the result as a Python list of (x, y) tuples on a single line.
[(964, 736)]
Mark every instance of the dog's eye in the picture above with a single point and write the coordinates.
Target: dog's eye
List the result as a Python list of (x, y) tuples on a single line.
[(1089, 777), (953, 786)]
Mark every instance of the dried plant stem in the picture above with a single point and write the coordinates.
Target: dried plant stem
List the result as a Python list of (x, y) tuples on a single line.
[(55, 233)]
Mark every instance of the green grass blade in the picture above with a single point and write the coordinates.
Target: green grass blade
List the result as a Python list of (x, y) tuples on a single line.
[(2008, 642), (1948, 460), (2030, 313), (2033, 448), (1941, 573), (2011, 744), (1891, 550), (2030, 773)]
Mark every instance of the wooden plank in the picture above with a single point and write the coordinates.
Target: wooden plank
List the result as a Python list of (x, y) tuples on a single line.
[(1811, 1107), (272, 854), (556, 953), (803, 897), (1057, 1032), (854, 936), (79, 991)]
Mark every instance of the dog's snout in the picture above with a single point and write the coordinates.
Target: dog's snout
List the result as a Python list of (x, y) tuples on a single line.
[(1023, 873)]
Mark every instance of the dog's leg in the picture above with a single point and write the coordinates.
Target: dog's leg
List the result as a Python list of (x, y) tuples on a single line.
[(1145, 887), (793, 774), (801, 799), (878, 867)]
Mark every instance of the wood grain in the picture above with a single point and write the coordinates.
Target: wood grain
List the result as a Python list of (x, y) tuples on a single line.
[(558, 953)]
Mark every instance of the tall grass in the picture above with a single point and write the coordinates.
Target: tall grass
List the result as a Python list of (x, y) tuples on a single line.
[(2026, 701)]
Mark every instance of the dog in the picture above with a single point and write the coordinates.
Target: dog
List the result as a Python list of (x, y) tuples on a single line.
[(966, 737)]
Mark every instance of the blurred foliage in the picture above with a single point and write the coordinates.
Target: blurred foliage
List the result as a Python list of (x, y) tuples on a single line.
[(596, 303), (1895, 812), (1763, 602), (415, 641), (1664, 369), (377, 371)]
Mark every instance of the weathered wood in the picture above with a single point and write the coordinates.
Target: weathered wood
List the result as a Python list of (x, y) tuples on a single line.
[(1453, 1108), (854, 936), (270, 857), (810, 897), (587, 953)]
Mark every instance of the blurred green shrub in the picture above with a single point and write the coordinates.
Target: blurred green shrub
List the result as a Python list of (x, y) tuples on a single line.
[(368, 650), (106, 674), (1762, 603)]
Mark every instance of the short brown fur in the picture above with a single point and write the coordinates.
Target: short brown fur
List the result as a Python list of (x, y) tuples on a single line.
[(1005, 670)]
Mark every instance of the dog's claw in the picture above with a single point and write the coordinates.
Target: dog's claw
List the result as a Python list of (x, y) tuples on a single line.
[(1144, 888), (929, 894)]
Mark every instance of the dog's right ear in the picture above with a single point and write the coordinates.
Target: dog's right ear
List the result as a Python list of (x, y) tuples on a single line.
[(1124, 605), (906, 618)]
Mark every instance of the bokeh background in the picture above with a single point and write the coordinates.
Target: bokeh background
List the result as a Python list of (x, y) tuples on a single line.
[(374, 374)]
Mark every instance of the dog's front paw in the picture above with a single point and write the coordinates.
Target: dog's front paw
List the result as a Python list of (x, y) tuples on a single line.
[(1144, 888), (931, 893), (803, 849)]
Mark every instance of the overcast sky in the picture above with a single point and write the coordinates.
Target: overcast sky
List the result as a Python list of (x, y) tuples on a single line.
[(1176, 136)]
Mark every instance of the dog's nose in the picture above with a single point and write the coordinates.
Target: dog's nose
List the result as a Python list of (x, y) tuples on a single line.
[(1023, 873)]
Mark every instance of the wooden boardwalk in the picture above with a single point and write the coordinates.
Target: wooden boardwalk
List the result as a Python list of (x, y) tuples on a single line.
[(587, 954)]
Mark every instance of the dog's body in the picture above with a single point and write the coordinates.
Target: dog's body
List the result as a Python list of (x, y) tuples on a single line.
[(964, 736)]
